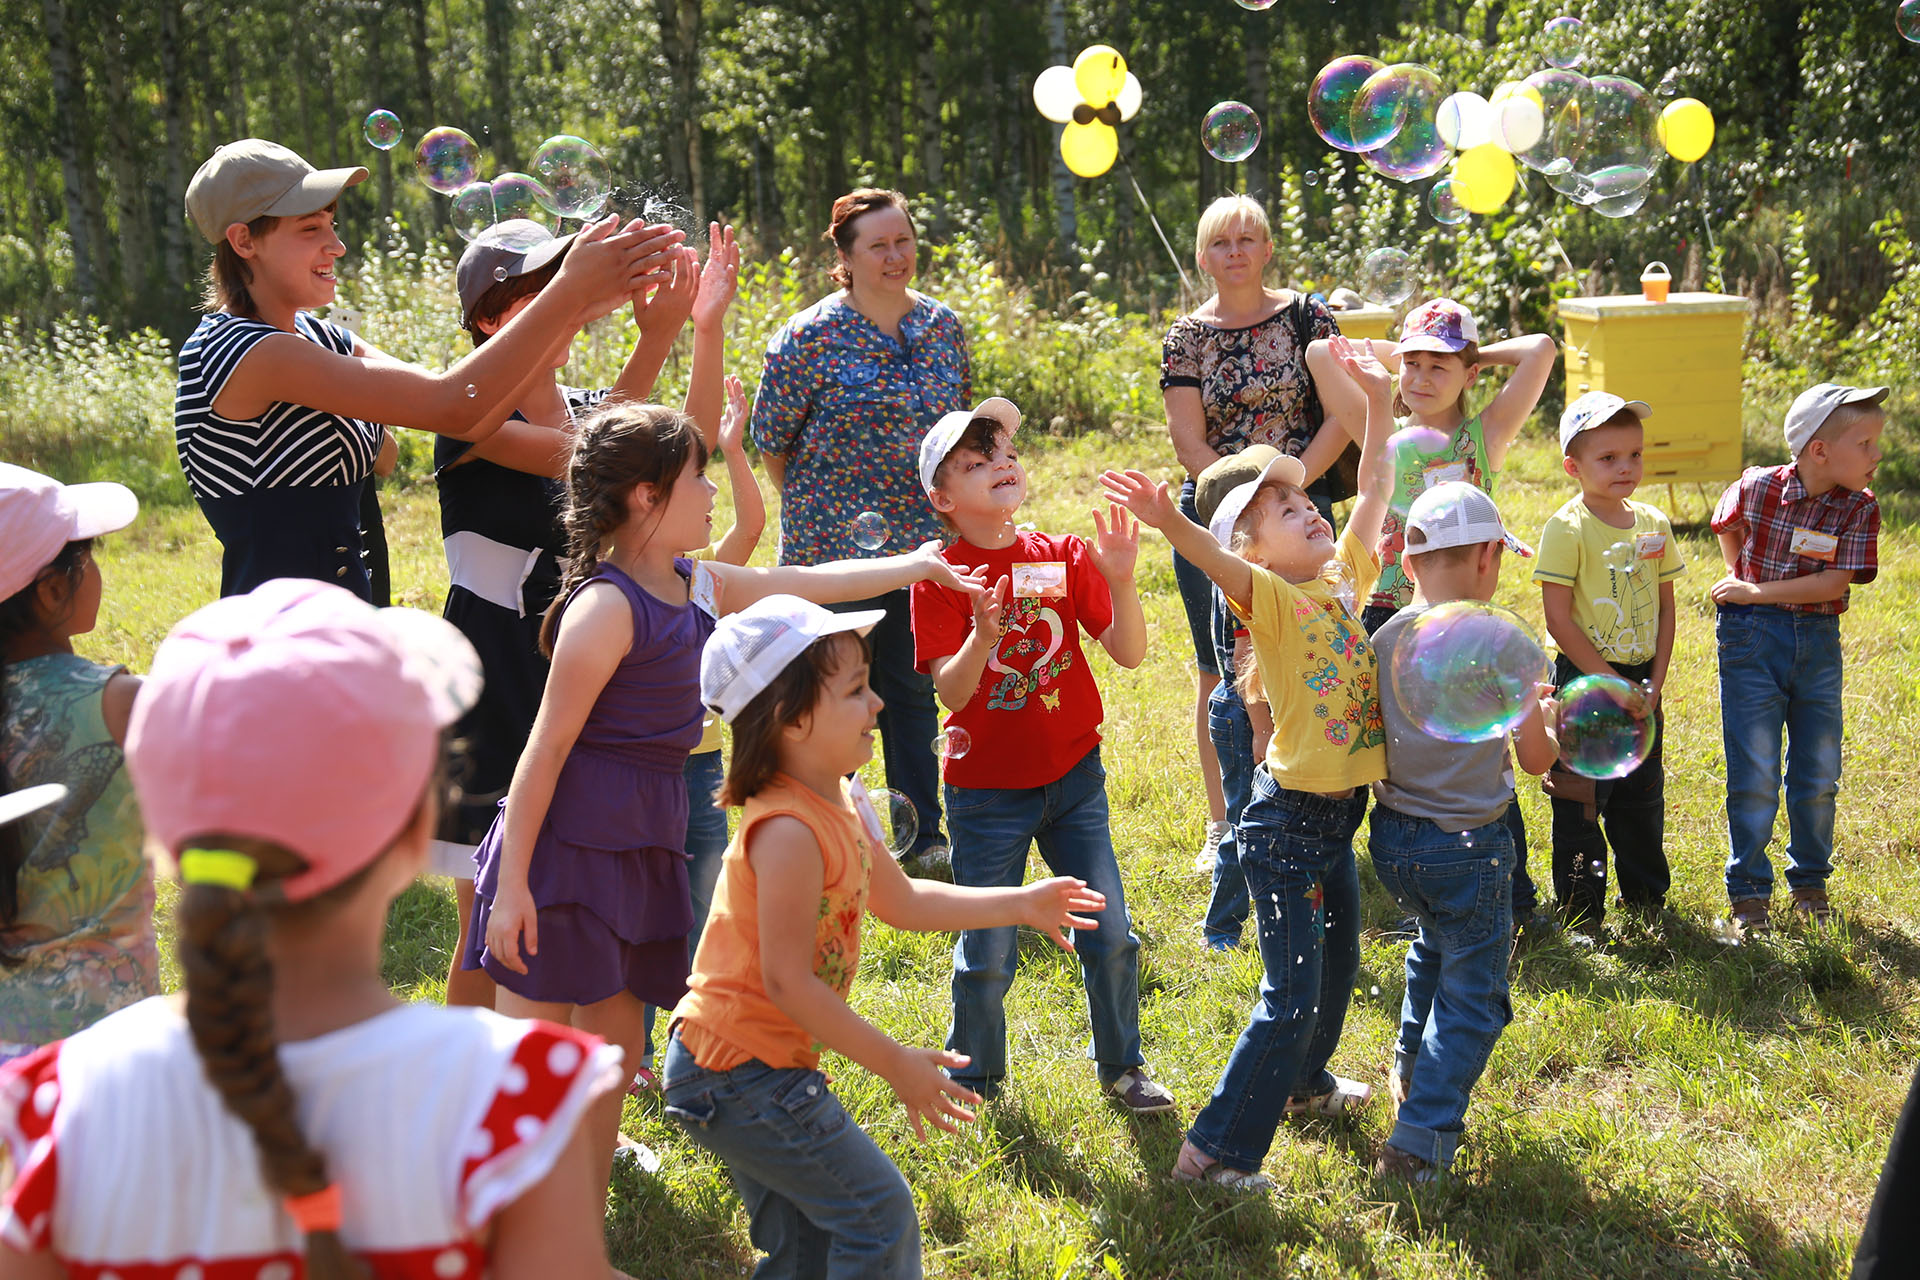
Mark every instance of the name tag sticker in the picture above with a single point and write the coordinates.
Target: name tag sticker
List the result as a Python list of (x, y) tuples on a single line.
[(1650, 546), (1045, 579), (704, 590), (1443, 473), (1814, 544)]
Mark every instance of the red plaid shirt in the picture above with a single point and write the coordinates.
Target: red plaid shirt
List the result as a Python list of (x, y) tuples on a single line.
[(1768, 504)]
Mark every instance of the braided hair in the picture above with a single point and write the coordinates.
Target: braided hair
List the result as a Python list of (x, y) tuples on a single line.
[(620, 445)]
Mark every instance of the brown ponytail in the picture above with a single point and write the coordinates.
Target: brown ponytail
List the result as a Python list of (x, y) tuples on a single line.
[(619, 446), (229, 980)]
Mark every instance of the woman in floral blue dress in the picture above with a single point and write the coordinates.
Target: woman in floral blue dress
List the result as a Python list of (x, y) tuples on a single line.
[(850, 387)]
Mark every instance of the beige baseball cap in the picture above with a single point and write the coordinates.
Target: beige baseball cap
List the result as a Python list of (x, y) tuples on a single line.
[(252, 178)]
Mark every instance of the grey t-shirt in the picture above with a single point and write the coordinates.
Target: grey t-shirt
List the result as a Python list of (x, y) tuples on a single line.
[(1458, 785)]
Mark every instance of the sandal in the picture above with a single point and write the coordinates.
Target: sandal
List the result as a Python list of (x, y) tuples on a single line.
[(644, 1082), (1346, 1098), (1188, 1168)]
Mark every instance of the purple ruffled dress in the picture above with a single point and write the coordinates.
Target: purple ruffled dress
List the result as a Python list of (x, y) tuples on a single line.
[(609, 868)]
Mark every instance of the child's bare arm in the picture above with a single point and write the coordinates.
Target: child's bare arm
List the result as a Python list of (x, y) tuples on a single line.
[(957, 676), (1376, 484), (841, 580), (1556, 603), (1814, 588), (1534, 748), (749, 507), (1114, 551), (718, 282), (1149, 501), (786, 863), (1532, 358), (1663, 643), (929, 906), (1730, 545)]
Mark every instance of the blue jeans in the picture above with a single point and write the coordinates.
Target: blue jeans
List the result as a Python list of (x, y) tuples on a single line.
[(1457, 884), (1196, 595), (909, 722), (1779, 669), (992, 831), (1297, 852), (1232, 734), (822, 1199), (706, 835)]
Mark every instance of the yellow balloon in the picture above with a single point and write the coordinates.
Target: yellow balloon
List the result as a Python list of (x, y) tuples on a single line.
[(1099, 73), (1485, 174), (1686, 129), (1089, 149)]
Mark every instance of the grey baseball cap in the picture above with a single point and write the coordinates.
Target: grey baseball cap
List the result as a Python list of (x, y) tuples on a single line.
[(501, 252), (252, 178), (1811, 407)]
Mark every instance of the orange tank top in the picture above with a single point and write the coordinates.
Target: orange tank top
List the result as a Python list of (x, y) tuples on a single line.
[(726, 1017)]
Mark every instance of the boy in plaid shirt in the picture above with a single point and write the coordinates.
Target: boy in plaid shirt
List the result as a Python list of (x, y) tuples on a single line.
[(1794, 539)]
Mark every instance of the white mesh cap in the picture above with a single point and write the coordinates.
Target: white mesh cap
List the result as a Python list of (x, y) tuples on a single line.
[(750, 648), (1458, 514)]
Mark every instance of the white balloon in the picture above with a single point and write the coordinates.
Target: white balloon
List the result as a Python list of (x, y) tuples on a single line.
[(1130, 97), (1056, 94), (1521, 123), (1465, 121)]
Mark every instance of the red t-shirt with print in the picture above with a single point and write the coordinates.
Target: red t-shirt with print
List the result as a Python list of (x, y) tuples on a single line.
[(1037, 711)]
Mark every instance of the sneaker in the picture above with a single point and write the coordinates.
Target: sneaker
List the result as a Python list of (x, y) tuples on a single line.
[(1403, 1166), (638, 1154), (1140, 1093), (1753, 915), (1346, 1098), (1812, 906), (935, 857), (1210, 848), (644, 1082), (1192, 1166)]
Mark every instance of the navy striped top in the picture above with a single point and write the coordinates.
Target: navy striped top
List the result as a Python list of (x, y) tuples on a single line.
[(290, 446)]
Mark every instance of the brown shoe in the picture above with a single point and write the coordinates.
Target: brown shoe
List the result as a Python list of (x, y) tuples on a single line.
[(1812, 905), (1403, 1166), (1753, 914)]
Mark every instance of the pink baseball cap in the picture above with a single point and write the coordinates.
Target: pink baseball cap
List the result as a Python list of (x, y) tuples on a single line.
[(39, 515), (1441, 325), (297, 714)]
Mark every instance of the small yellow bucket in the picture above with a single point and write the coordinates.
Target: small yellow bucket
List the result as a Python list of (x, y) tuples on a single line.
[(1654, 282)]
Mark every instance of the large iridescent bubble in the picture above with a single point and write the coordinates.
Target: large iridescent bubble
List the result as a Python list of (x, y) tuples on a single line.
[(520, 197), (446, 159), (1230, 132), (1609, 131), (1466, 671), (1331, 97), (575, 174), (1410, 95), (1605, 727), (1563, 42), (1388, 276), (1553, 90)]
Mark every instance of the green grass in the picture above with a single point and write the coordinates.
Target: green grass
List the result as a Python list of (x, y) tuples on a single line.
[(1665, 1106)]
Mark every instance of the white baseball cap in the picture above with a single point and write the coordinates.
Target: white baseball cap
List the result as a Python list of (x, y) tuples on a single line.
[(1458, 514), (946, 433), (1811, 407), (39, 516), (749, 649), (1594, 409), (1284, 467)]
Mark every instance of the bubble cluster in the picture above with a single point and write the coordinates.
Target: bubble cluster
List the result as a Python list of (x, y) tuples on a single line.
[(446, 159), (1608, 131), (1230, 132), (1465, 671), (576, 176), (1388, 277), (1447, 202), (382, 129), (1605, 727), (1331, 98), (1563, 42), (870, 531)]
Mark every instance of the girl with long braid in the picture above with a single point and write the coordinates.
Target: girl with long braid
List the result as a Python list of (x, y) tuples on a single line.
[(581, 901), (291, 1116)]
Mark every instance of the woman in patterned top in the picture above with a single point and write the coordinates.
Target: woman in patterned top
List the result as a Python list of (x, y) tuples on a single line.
[(1233, 372), (850, 387), (275, 416)]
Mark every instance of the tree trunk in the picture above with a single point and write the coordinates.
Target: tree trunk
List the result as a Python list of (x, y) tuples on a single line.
[(680, 41), (425, 114), (67, 117), (129, 188), (499, 26), (173, 111), (1066, 224), (926, 85), (1260, 165), (376, 34)]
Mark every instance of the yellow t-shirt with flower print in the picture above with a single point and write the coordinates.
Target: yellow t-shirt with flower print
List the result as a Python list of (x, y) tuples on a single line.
[(1318, 670)]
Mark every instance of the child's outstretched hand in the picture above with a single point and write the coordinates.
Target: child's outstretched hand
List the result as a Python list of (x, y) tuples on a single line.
[(1141, 494), (671, 303), (1050, 907), (1361, 365), (733, 419), (928, 1094), (988, 606), (719, 279), (1116, 546), (934, 568)]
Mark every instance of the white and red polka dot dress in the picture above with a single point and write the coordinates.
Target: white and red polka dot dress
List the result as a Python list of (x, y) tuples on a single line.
[(129, 1166)]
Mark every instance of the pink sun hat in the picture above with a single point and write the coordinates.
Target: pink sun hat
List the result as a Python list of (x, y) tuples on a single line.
[(297, 714), (1441, 325), (39, 515)]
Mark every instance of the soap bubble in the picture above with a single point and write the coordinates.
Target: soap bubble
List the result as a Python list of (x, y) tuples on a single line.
[(519, 197), (1563, 42), (1519, 120), (472, 391), (1605, 727), (1312, 177), (473, 210), (953, 743), (1387, 277), (1409, 95), (1465, 121), (1622, 206), (1230, 132), (1331, 97), (1258, 6), (1407, 446), (1553, 90), (1465, 671), (870, 531), (1670, 83), (1906, 20), (382, 128), (499, 275), (575, 174), (1447, 202), (1609, 130), (1619, 557), (899, 822), (446, 159)]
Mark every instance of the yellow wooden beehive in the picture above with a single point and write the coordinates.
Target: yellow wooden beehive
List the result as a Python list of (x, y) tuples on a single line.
[(1682, 357), (1364, 322)]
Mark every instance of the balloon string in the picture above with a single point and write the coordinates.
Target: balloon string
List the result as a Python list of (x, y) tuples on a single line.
[(1185, 283)]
